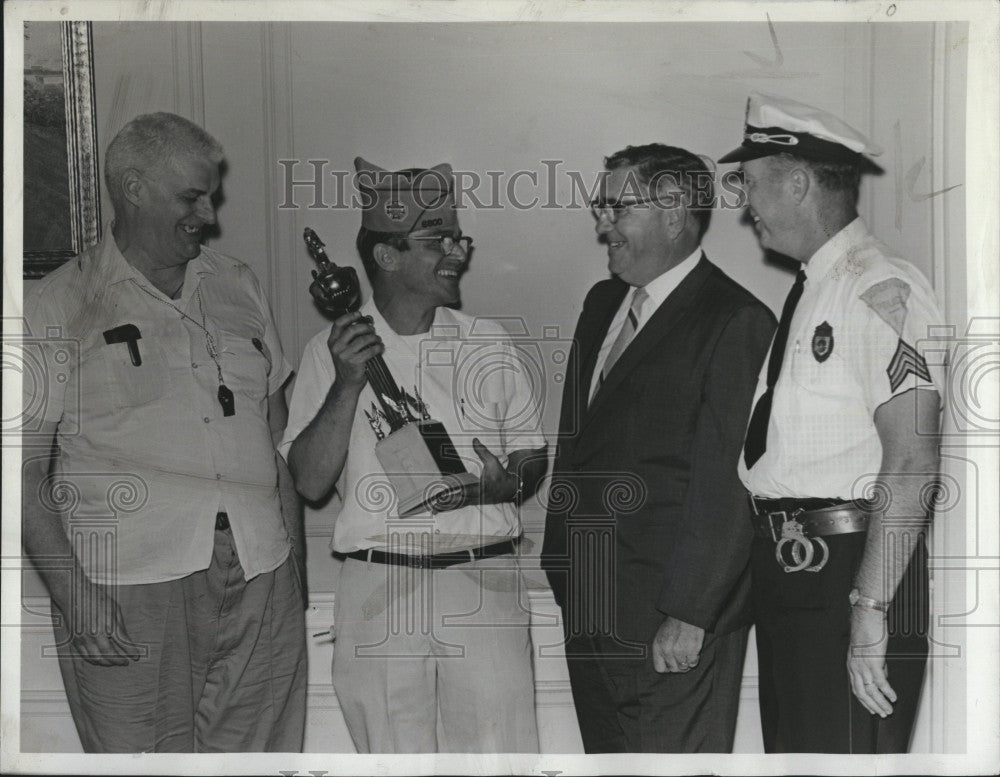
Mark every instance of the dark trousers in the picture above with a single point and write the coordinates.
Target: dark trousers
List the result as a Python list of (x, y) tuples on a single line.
[(803, 637), (625, 706)]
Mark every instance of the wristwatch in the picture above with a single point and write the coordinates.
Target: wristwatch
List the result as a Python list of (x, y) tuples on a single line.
[(519, 492), (857, 600)]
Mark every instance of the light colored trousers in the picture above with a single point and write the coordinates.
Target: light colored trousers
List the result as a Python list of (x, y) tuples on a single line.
[(435, 660), (224, 668)]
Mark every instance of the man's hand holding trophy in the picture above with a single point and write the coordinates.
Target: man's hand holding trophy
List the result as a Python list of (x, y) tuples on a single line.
[(416, 452)]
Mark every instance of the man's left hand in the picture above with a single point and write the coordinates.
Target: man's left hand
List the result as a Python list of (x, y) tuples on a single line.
[(866, 665), (677, 646), (495, 484)]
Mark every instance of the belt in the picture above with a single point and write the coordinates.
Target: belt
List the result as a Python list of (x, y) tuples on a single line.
[(797, 527), (435, 561), (816, 517), (221, 522)]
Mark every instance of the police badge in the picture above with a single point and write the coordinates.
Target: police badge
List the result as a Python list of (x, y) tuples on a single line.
[(822, 344)]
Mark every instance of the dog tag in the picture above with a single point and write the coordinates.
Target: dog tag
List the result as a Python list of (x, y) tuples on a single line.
[(227, 400)]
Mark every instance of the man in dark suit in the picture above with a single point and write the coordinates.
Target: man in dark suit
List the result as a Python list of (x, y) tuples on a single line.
[(648, 532)]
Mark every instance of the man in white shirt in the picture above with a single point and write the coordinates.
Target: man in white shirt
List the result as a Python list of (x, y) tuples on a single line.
[(432, 650), (841, 450), (647, 538), (180, 622)]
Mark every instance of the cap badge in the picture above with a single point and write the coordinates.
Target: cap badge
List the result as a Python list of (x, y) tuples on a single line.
[(395, 210), (763, 137)]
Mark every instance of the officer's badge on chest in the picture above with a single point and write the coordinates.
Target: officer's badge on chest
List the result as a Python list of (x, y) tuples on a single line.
[(822, 342)]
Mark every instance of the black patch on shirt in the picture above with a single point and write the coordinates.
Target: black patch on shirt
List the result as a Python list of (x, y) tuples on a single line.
[(822, 344)]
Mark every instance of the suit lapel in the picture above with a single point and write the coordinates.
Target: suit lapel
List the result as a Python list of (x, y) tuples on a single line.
[(674, 309), (592, 338)]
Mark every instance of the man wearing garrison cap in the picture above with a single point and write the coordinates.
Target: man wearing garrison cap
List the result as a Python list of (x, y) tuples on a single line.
[(432, 650), (841, 448)]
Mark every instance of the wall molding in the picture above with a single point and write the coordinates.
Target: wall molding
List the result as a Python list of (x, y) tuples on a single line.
[(284, 246), (189, 75)]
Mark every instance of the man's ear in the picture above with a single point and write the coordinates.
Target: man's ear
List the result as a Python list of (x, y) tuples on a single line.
[(133, 186), (673, 203), (799, 182), (386, 257)]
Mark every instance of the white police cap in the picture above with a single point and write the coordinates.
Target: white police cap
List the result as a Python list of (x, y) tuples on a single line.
[(776, 125)]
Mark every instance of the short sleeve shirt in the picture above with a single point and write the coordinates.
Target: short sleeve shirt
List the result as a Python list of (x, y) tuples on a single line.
[(863, 333), (143, 439), (470, 377)]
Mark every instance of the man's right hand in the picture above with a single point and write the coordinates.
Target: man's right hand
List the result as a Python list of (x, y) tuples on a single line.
[(352, 342), (97, 629)]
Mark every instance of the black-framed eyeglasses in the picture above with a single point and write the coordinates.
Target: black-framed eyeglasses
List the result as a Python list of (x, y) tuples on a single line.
[(612, 209), (446, 244)]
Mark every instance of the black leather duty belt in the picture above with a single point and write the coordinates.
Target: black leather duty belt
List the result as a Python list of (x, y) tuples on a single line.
[(435, 561), (221, 522), (797, 527), (816, 517)]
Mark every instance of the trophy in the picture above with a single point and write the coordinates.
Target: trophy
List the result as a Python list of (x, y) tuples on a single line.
[(415, 451)]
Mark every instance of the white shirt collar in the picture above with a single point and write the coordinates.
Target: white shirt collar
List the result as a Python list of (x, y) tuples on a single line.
[(827, 255), (662, 285)]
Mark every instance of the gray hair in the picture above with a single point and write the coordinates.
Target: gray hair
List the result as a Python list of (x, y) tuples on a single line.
[(151, 140)]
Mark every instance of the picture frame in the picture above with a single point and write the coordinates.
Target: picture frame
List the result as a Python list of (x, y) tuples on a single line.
[(61, 186)]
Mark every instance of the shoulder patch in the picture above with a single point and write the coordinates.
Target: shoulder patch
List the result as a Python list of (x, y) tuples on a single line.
[(888, 299), (904, 362)]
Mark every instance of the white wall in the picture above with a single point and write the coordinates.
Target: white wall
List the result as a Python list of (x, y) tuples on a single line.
[(505, 97)]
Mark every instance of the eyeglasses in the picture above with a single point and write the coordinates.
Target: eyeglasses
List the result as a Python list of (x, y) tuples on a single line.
[(446, 244), (612, 209)]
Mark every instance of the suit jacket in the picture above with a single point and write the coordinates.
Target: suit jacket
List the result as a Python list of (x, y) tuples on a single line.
[(647, 517)]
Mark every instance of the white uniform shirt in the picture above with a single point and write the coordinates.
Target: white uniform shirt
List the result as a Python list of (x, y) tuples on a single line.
[(658, 290), (472, 380), (149, 455), (862, 333)]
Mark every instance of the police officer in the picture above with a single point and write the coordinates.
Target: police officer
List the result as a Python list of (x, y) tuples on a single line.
[(841, 450)]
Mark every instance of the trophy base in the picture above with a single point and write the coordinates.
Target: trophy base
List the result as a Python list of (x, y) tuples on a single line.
[(422, 466)]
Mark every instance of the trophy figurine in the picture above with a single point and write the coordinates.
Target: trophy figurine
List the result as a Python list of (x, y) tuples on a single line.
[(416, 452)]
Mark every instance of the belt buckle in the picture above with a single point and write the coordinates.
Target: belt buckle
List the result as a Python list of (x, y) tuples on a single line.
[(776, 522)]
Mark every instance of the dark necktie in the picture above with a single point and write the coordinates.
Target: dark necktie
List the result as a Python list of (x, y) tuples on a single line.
[(756, 442)]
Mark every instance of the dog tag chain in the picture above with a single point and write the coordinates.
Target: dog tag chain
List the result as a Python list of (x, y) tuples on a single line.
[(227, 400)]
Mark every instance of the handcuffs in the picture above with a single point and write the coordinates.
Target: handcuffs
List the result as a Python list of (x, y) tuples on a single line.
[(793, 544)]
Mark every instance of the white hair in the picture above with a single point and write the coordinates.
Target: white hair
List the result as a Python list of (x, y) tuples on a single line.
[(151, 140)]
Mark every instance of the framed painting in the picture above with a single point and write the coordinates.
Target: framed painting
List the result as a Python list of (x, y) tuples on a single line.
[(61, 187)]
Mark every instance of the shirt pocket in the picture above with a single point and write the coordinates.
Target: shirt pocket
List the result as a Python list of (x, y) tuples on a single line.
[(246, 364), (135, 385), (827, 378)]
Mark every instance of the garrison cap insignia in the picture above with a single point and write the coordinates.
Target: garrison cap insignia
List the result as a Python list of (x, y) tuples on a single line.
[(822, 344), (904, 362), (395, 210)]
